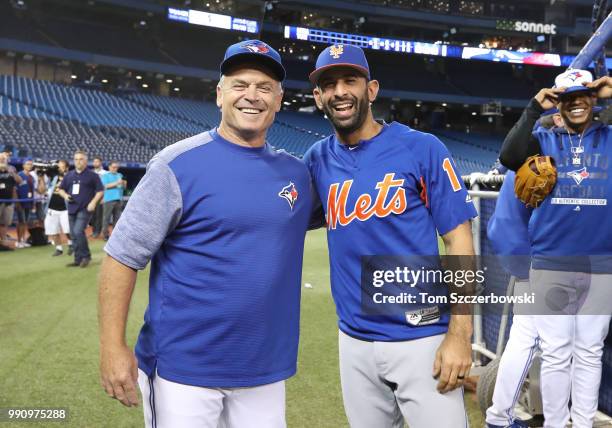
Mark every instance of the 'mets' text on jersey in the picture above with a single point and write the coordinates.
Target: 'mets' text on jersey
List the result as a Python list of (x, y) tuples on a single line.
[(386, 196)]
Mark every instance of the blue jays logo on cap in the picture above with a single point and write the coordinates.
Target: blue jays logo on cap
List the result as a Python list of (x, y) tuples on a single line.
[(573, 80), (340, 55), (574, 75), (254, 51), (256, 46)]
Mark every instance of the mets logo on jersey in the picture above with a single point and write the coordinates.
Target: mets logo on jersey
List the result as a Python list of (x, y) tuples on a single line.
[(289, 193), (365, 208), (579, 175), (256, 47), (336, 50)]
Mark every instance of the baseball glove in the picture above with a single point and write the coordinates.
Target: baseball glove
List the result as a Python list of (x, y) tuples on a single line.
[(535, 180)]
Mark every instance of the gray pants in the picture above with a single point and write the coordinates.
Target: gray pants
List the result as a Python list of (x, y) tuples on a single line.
[(385, 383), (111, 208)]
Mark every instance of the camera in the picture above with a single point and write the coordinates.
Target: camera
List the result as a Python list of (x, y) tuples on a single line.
[(49, 168)]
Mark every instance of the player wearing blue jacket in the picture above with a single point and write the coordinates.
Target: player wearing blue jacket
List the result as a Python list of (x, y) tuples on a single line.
[(386, 189), (508, 233), (571, 243), (222, 217)]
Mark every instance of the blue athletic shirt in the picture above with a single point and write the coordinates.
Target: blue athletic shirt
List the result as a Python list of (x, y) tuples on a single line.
[(224, 228), (508, 229), (574, 220), (407, 188), (114, 193)]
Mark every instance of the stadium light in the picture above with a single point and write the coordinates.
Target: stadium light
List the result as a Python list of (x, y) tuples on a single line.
[(177, 89), (444, 104), (474, 113), (144, 85), (104, 80), (74, 76), (168, 80), (19, 4), (138, 77)]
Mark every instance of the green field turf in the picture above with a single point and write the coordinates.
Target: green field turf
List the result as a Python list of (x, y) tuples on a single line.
[(49, 342)]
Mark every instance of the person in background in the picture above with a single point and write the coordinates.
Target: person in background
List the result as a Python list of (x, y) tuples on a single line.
[(82, 189), (56, 219), (114, 186), (9, 179), (98, 215), (25, 193), (41, 181)]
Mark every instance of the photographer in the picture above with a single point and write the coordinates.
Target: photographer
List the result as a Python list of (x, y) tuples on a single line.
[(56, 219), (41, 182), (8, 192)]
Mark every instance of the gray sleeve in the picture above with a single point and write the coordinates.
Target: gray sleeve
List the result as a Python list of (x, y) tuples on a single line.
[(152, 212)]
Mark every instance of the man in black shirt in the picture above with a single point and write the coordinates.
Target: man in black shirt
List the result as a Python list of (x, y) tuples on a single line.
[(82, 190), (56, 220)]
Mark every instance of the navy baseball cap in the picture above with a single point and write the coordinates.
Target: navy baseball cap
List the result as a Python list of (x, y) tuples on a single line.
[(253, 51), (340, 55)]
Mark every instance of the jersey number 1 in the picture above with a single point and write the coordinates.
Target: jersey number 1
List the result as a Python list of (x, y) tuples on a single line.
[(448, 167)]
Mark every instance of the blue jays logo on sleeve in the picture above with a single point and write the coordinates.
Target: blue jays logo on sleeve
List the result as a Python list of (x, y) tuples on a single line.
[(579, 175), (256, 47), (289, 193)]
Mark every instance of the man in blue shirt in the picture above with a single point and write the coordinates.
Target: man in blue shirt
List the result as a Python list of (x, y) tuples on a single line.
[(25, 192), (388, 190), (114, 186), (571, 243), (82, 189), (222, 217)]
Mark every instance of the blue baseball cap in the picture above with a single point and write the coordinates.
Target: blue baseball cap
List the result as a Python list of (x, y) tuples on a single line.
[(253, 51), (340, 55), (549, 112)]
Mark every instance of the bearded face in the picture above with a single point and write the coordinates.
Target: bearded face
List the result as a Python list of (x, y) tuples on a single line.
[(344, 95)]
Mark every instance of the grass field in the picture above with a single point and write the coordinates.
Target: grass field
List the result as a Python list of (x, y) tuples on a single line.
[(49, 342)]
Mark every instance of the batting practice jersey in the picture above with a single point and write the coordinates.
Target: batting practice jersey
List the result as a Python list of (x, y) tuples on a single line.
[(574, 220), (224, 227), (386, 196)]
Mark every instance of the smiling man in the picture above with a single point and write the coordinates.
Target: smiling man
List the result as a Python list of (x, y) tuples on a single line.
[(571, 243), (226, 220), (386, 189)]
